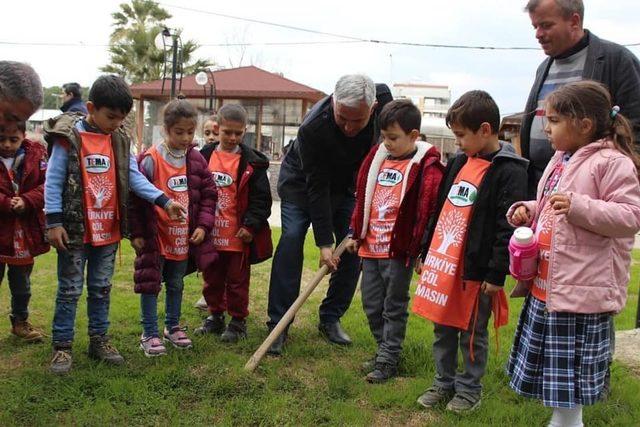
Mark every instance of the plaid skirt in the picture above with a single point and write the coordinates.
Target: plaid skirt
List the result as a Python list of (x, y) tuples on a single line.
[(559, 358)]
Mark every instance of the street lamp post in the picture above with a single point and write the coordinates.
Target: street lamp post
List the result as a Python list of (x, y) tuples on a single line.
[(164, 41)]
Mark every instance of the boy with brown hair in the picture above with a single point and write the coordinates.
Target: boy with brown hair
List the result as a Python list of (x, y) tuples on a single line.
[(467, 258), (395, 198)]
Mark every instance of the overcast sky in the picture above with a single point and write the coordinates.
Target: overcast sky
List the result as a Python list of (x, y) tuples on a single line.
[(507, 75)]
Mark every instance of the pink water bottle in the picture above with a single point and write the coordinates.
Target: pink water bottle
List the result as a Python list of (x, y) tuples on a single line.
[(523, 251)]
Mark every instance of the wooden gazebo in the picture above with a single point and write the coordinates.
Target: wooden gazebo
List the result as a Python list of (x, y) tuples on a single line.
[(276, 105)]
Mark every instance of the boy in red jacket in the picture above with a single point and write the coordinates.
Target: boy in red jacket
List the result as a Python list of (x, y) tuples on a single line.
[(22, 172), (241, 232), (396, 195)]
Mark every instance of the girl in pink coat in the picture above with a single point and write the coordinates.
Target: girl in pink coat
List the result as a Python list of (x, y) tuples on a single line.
[(585, 218)]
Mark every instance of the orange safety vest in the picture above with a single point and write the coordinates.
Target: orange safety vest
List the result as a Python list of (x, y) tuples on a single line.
[(544, 231), (21, 255), (442, 296), (224, 167), (173, 235), (385, 203), (97, 165)]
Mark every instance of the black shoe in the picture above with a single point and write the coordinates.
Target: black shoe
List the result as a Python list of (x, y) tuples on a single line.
[(278, 345), (213, 324), (100, 348), (369, 365), (382, 373), (334, 333), (236, 330)]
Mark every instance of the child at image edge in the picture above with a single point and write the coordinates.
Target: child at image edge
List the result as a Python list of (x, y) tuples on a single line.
[(586, 215)]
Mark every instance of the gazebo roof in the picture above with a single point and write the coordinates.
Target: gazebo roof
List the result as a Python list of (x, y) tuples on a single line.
[(242, 82)]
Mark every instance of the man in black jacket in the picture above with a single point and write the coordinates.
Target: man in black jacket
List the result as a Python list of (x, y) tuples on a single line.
[(573, 54), (72, 98), (316, 186)]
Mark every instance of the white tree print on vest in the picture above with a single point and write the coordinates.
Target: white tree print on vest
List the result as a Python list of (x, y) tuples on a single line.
[(102, 190), (451, 230), (223, 201), (384, 200), (183, 199)]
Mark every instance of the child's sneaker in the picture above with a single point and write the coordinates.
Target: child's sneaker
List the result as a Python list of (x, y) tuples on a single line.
[(464, 403), (214, 324), (177, 337), (25, 330), (434, 396), (61, 360), (236, 330), (152, 346), (101, 349)]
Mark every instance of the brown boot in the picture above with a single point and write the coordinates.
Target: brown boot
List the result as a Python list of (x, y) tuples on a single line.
[(24, 330)]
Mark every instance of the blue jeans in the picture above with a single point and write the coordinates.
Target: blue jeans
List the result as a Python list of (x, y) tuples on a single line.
[(286, 270), (99, 262), (20, 286), (172, 274)]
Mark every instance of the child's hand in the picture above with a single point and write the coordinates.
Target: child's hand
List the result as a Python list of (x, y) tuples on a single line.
[(560, 203), (351, 246), (198, 236), (17, 204), (175, 210), (418, 265), (58, 237), (137, 244), (244, 235), (521, 216), (489, 289)]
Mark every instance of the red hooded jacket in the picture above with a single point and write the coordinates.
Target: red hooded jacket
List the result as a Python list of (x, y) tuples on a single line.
[(30, 176), (418, 203)]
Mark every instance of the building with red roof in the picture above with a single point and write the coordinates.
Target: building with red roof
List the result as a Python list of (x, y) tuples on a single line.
[(275, 105)]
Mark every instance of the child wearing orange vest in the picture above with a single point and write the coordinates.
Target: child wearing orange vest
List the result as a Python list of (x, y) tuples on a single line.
[(241, 232), (90, 173), (396, 195), (22, 172), (162, 244), (467, 260)]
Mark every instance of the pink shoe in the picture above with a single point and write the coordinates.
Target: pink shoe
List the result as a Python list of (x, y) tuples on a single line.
[(177, 337), (152, 346)]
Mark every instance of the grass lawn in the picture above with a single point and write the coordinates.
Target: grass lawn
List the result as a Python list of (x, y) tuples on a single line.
[(314, 383)]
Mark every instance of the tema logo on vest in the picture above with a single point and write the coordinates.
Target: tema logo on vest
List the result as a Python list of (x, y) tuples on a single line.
[(97, 163), (389, 177), (177, 183), (463, 194), (222, 179)]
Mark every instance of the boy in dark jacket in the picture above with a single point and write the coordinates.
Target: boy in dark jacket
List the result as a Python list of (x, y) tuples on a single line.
[(22, 172), (241, 232), (467, 258), (396, 195)]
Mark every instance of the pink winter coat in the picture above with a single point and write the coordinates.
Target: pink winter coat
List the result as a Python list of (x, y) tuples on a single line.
[(591, 245)]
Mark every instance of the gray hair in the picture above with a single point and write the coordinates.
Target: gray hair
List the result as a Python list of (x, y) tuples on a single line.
[(18, 81), (568, 7), (352, 89)]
